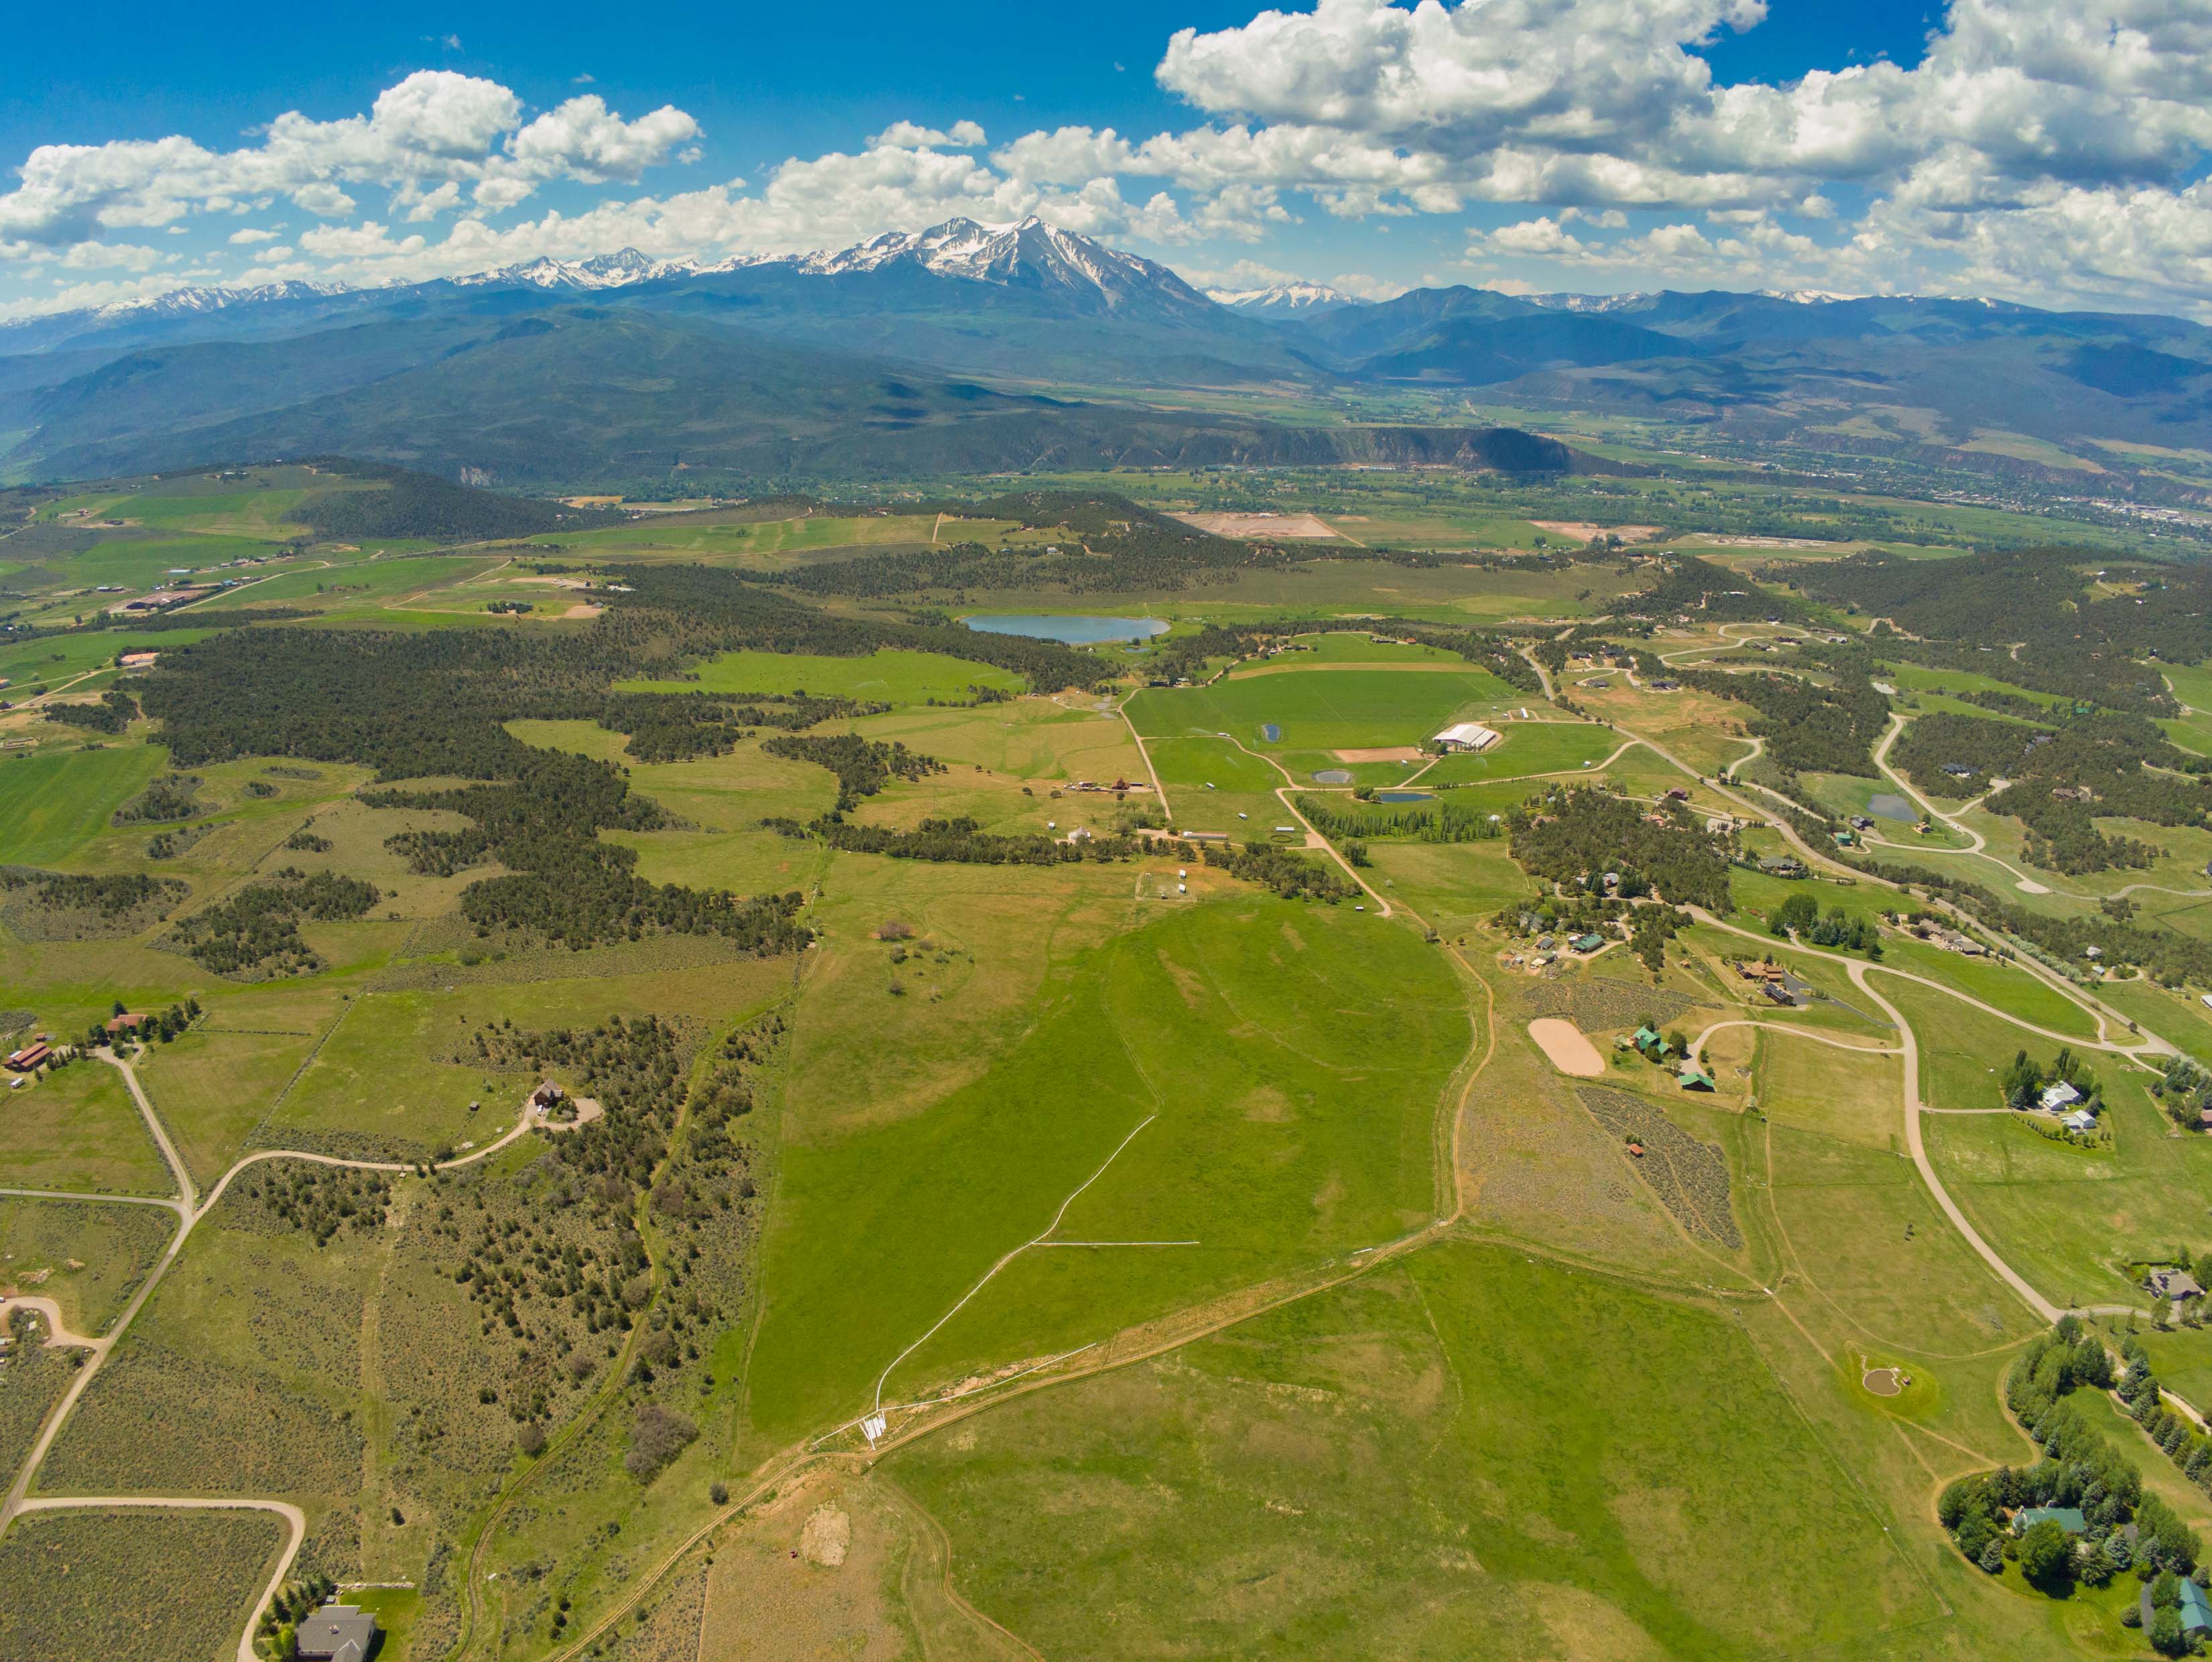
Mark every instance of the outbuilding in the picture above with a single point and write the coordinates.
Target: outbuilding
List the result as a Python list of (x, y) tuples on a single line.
[(1467, 736)]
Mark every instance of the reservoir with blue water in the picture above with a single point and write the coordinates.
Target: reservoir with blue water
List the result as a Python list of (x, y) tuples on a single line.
[(1069, 631), (1403, 796)]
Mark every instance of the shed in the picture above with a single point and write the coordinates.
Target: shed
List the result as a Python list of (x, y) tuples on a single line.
[(31, 1057), (2080, 1120), (1694, 1077)]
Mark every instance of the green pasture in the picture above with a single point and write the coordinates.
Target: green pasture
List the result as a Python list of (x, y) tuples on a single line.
[(1033, 740), (52, 803), (1320, 710), (1395, 1468), (890, 676), (779, 542), (77, 1128), (1527, 748), (1285, 1063), (2069, 1219)]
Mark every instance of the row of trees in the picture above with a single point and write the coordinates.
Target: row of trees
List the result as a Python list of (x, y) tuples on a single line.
[(962, 841)]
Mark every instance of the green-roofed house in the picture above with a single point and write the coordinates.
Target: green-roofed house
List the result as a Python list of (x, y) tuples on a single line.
[(1647, 1041), (1587, 942), (2196, 1613), (1694, 1077), (2069, 1519)]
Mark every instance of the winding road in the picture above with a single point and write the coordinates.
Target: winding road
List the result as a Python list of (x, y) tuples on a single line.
[(190, 1209)]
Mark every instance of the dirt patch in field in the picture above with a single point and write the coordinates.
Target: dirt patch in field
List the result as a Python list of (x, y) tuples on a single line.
[(1567, 1047), (1882, 1381), (815, 1573), (1262, 527), (827, 1538), (1386, 753), (1582, 531), (583, 608)]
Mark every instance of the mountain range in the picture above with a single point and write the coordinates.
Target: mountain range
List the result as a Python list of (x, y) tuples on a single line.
[(975, 346)]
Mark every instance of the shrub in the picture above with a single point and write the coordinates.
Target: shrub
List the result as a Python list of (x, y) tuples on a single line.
[(657, 1436)]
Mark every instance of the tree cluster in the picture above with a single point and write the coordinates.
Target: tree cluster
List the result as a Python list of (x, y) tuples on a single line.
[(258, 928), (2061, 781), (114, 712), (963, 841), (863, 766), (1439, 821), (1800, 915), (1573, 835), (1292, 876), (2078, 1469), (2025, 1080)]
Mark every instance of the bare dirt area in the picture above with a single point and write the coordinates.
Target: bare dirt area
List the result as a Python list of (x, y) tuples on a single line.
[(1297, 527), (1567, 1048), (1387, 753), (1582, 531), (583, 608), (815, 1573)]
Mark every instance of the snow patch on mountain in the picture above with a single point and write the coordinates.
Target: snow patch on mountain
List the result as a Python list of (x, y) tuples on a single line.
[(1284, 300)]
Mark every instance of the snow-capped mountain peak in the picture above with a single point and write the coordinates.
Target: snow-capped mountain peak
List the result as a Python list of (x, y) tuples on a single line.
[(1296, 298), (615, 270), (1027, 253)]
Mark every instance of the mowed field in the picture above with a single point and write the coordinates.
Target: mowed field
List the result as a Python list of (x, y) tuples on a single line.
[(1316, 710), (52, 803)]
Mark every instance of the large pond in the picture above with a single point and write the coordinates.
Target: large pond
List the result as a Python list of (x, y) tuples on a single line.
[(1072, 631)]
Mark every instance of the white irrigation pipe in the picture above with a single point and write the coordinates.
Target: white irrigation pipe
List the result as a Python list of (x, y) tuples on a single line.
[(1008, 1258)]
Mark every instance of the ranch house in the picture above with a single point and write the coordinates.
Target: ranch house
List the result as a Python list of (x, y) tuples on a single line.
[(337, 1633), (2178, 1285), (2069, 1519)]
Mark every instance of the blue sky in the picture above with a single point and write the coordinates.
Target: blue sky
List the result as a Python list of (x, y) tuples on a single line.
[(2014, 148)]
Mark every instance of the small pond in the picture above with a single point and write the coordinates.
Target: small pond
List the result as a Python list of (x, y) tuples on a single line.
[(1069, 631), (1889, 805), (1271, 733), (1403, 796)]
